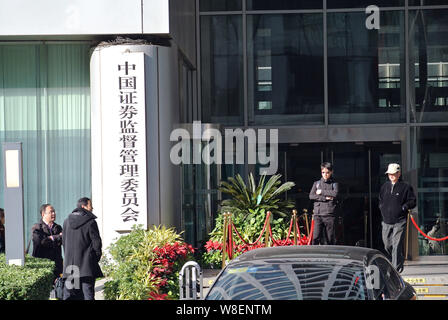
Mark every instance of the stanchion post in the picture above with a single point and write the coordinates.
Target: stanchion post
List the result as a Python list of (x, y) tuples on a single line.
[(230, 234), (268, 224), (305, 212), (224, 240), (294, 220), (407, 235)]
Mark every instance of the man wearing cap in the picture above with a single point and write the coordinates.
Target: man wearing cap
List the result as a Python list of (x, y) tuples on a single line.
[(395, 199)]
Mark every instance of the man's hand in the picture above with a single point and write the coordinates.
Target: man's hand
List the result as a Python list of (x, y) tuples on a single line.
[(318, 191), (329, 198)]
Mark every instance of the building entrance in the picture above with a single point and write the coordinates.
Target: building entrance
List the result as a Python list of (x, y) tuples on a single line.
[(358, 167)]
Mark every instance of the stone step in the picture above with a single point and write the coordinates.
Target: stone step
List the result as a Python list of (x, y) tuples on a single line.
[(432, 297), (418, 280), (432, 290)]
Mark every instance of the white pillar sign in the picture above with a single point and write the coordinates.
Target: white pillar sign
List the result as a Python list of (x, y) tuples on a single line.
[(124, 140)]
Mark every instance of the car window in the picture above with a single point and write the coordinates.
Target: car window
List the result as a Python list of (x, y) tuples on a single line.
[(291, 280), (390, 282)]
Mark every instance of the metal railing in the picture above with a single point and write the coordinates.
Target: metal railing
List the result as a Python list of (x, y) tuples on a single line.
[(190, 280)]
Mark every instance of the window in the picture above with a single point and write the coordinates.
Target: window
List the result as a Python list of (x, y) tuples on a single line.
[(366, 69), (222, 69), (390, 283), (45, 104), (336, 4), (283, 4), (285, 69), (219, 5), (428, 31)]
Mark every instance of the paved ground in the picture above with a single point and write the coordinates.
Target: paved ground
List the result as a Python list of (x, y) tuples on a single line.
[(428, 277), (99, 287)]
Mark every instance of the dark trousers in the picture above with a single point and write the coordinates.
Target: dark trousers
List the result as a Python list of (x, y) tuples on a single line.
[(85, 291), (393, 239), (324, 224)]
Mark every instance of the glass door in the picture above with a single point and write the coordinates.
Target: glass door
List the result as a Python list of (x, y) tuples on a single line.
[(358, 167)]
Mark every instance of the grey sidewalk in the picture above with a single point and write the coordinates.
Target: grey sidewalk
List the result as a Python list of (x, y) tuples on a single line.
[(209, 276)]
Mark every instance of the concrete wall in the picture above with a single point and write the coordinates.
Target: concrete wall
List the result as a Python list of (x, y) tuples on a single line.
[(83, 17), (170, 179)]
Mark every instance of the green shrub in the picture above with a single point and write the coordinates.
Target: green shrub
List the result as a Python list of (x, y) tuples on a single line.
[(249, 204), (145, 264), (33, 281)]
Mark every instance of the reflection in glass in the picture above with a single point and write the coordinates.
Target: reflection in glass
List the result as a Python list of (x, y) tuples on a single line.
[(336, 4), (428, 53), (283, 4), (431, 160), (427, 2), (285, 69), (222, 69), (365, 74), (219, 5)]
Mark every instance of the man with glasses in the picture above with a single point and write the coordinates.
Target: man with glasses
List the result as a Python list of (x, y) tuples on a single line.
[(47, 238), (324, 194)]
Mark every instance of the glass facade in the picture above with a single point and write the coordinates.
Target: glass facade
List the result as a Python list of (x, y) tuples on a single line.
[(427, 2), (220, 5), (45, 104), (431, 162), (428, 52), (285, 69), (338, 4), (222, 69), (310, 72), (366, 73), (283, 4)]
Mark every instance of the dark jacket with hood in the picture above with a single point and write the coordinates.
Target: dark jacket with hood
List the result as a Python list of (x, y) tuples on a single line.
[(45, 247), (330, 188), (82, 244), (395, 201)]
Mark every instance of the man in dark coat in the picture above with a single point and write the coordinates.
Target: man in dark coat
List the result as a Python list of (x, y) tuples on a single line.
[(395, 199), (47, 238), (324, 194), (82, 247)]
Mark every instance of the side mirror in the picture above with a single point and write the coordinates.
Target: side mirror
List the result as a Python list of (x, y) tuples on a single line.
[(408, 293)]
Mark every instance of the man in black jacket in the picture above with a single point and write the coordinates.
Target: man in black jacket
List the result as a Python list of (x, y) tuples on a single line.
[(82, 247), (324, 193), (395, 199), (47, 238)]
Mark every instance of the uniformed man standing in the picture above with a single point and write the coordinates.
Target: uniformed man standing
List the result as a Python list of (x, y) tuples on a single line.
[(324, 194)]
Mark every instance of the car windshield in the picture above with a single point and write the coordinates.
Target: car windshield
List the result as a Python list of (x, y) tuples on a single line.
[(291, 280)]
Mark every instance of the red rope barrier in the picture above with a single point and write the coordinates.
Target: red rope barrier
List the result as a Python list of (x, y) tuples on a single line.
[(424, 234), (272, 237), (298, 231), (261, 234), (311, 232), (289, 231)]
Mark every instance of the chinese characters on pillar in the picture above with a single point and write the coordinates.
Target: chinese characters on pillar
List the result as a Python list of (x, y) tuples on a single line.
[(123, 128), (129, 153)]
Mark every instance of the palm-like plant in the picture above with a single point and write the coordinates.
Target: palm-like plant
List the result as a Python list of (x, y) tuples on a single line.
[(252, 198)]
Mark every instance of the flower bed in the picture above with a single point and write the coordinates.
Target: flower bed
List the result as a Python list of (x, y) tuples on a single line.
[(145, 265)]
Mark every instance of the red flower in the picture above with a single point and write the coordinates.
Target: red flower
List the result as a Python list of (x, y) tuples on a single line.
[(157, 296)]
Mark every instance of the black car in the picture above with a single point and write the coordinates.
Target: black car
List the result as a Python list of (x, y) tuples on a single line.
[(310, 273)]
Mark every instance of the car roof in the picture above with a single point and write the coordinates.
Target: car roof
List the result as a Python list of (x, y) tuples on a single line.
[(291, 252)]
